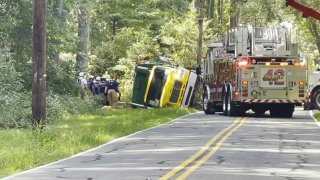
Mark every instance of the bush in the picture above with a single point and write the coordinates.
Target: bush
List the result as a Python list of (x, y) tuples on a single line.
[(61, 78), (62, 105), (15, 101), (126, 90)]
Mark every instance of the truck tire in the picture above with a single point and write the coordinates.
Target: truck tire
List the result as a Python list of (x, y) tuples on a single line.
[(207, 106), (225, 104), (232, 111), (285, 111), (259, 111), (316, 100), (288, 111)]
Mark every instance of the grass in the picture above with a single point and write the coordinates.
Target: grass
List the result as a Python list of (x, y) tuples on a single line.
[(24, 149), (317, 116)]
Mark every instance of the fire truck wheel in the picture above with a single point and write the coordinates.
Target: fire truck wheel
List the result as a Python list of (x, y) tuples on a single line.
[(282, 111), (231, 108), (259, 111), (316, 100), (208, 107), (225, 104)]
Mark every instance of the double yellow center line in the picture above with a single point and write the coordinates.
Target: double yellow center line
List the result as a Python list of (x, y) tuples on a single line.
[(205, 153)]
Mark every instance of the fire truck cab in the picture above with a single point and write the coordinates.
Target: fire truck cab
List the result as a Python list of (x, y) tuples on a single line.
[(255, 68)]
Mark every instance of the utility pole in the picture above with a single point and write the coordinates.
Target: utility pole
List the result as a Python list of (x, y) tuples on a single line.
[(199, 5), (39, 62), (197, 96)]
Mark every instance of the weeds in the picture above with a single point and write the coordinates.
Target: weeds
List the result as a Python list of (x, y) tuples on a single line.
[(24, 149)]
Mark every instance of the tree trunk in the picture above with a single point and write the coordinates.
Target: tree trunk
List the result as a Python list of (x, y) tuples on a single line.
[(199, 5), (220, 12), (315, 33), (60, 8), (83, 36), (59, 23), (234, 15), (39, 63), (211, 12), (113, 27)]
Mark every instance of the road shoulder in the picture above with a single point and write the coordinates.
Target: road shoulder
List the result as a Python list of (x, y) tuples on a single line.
[(312, 112)]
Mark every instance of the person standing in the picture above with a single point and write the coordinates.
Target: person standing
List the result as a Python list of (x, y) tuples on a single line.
[(84, 85), (102, 90), (113, 92), (90, 83), (96, 85)]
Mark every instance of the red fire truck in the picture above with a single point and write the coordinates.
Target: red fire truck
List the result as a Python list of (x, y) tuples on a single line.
[(256, 68)]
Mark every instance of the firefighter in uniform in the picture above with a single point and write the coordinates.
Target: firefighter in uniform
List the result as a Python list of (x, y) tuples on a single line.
[(113, 92)]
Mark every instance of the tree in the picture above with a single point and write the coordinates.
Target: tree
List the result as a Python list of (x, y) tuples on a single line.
[(39, 63), (83, 36), (220, 12), (314, 29), (211, 12)]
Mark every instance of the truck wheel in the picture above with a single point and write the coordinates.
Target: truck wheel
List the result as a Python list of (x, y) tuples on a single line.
[(282, 111), (232, 111), (225, 104), (208, 107), (288, 112), (259, 111), (316, 100), (274, 112)]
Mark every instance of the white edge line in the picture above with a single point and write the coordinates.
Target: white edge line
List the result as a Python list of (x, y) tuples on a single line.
[(89, 150), (315, 120)]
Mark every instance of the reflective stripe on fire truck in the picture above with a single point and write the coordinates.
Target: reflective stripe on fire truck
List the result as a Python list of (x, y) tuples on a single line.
[(272, 101)]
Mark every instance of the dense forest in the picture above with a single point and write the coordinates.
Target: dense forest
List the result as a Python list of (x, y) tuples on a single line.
[(102, 37)]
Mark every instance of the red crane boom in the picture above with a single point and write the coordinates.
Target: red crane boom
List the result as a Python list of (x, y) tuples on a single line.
[(306, 11)]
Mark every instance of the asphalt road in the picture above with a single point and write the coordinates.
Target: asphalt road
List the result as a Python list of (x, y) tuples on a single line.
[(202, 146)]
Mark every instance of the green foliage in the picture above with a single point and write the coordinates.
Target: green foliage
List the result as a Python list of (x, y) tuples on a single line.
[(179, 39), (62, 28), (126, 89), (63, 97), (111, 51), (128, 44), (122, 32), (317, 116), (61, 78), (24, 149), (15, 101), (60, 106)]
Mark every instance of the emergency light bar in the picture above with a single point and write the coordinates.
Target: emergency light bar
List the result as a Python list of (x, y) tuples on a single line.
[(299, 63), (243, 62)]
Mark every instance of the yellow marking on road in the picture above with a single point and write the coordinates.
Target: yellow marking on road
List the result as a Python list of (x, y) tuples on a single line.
[(200, 152), (211, 153)]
